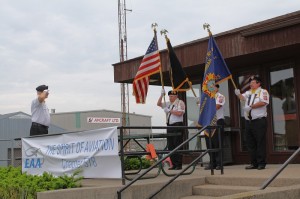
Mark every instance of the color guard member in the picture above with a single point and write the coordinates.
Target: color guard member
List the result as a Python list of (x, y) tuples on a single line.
[(215, 158), (255, 110), (174, 110)]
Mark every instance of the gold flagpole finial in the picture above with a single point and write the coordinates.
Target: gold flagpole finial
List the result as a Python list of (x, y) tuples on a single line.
[(153, 26), (207, 26), (164, 31)]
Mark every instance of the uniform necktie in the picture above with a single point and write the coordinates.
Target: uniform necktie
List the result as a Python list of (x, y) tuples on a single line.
[(168, 121), (249, 99)]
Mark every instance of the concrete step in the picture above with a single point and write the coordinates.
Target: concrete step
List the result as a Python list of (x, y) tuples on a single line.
[(218, 186), (220, 190), (249, 181), (198, 197), (234, 181)]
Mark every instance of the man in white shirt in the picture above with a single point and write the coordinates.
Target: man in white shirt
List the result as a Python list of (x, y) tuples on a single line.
[(255, 111), (174, 110), (40, 116)]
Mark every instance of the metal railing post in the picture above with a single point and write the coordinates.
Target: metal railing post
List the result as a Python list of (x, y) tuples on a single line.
[(220, 131), (12, 154), (211, 154), (122, 155)]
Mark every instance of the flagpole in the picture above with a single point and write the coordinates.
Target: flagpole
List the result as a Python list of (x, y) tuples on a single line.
[(193, 91), (207, 26), (163, 31), (154, 25)]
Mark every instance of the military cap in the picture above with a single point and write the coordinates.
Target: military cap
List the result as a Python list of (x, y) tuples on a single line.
[(258, 80), (41, 88), (172, 93)]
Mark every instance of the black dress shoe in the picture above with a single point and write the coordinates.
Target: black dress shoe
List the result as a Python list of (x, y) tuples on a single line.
[(209, 168), (251, 167), (260, 167), (178, 168)]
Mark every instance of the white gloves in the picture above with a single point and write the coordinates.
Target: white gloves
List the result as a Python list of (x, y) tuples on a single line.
[(163, 92), (166, 110), (237, 92), (247, 108), (197, 100)]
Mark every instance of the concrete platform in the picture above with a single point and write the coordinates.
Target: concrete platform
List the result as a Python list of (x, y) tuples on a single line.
[(287, 183)]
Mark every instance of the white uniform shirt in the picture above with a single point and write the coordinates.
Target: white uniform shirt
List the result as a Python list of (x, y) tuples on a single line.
[(177, 105), (261, 95), (40, 112), (220, 99)]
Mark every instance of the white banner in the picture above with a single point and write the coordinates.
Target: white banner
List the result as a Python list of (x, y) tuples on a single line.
[(103, 120), (94, 151)]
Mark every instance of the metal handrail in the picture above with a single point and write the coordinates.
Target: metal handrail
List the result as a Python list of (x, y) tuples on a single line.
[(181, 172), (121, 137), (194, 162), (119, 192), (268, 181)]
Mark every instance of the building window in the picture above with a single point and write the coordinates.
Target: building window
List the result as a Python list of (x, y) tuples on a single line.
[(193, 115), (244, 86), (284, 114), (193, 109)]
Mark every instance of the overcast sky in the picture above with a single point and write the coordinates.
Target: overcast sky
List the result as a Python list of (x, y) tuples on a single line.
[(71, 45)]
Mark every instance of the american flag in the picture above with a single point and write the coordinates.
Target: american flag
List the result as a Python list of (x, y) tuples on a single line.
[(149, 66)]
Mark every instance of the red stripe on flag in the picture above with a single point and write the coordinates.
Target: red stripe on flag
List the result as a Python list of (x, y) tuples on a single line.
[(153, 56), (149, 66), (140, 89), (148, 69)]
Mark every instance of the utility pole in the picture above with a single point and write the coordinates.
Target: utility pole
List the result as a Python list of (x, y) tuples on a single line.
[(123, 57)]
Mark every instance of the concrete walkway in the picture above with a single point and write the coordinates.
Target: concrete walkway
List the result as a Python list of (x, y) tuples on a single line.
[(182, 186), (291, 171)]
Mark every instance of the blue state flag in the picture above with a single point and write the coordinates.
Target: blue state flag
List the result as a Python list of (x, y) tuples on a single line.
[(215, 72)]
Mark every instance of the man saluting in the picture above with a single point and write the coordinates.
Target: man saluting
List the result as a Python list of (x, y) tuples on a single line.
[(40, 116)]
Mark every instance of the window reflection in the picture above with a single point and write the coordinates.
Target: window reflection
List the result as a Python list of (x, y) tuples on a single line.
[(282, 94), (224, 91), (193, 109), (193, 115), (244, 86)]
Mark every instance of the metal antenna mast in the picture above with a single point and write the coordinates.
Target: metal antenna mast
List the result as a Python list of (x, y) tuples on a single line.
[(123, 57)]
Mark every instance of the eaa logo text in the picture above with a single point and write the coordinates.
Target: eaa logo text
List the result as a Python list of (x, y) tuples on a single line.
[(33, 163)]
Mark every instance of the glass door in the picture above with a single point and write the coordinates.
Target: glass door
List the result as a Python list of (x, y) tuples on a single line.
[(284, 110), (193, 109), (244, 85)]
